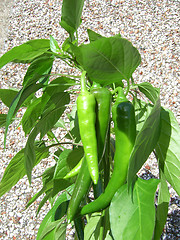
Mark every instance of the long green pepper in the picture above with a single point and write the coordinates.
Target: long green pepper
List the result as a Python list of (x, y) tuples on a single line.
[(123, 116), (86, 105)]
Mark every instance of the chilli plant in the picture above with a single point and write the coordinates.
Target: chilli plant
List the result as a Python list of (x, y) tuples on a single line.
[(114, 125)]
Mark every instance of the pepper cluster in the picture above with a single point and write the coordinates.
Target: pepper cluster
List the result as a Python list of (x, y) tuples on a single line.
[(94, 115)]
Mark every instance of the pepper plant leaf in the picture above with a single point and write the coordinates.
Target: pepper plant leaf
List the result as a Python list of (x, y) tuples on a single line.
[(162, 208), (168, 150), (108, 60), (149, 91), (93, 36), (134, 220), (146, 141), (26, 52), (7, 96), (51, 114), (71, 15), (38, 70), (21, 96), (16, 170), (50, 216)]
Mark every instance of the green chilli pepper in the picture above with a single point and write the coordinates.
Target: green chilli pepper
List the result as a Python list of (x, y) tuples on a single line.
[(123, 116), (86, 105), (103, 107), (74, 171), (81, 188), (103, 101)]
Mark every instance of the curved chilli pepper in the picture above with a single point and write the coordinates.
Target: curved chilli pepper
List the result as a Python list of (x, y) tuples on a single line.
[(86, 105), (81, 188), (123, 116), (74, 171)]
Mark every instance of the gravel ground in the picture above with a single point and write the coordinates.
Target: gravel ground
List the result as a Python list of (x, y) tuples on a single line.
[(152, 27)]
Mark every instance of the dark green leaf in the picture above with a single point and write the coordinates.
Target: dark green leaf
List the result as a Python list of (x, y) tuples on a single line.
[(38, 70), (38, 194), (71, 15), (149, 91), (44, 200), (7, 96), (162, 208), (27, 51), (61, 210), (93, 36), (3, 120), (146, 141), (16, 170), (54, 45), (168, 150), (134, 220), (108, 60), (32, 114)]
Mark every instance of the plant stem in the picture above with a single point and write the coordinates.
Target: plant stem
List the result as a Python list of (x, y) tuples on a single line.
[(83, 82)]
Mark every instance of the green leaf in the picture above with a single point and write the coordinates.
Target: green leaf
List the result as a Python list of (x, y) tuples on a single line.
[(38, 70), (92, 228), (162, 208), (3, 120), (142, 111), (50, 216), (16, 170), (108, 60), (61, 210), (71, 15), (168, 150), (36, 196), (32, 114), (27, 51), (54, 45), (149, 91), (146, 141), (60, 233), (93, 36), (52, 112), (7, 96), (59, 84), (134, 220), (21, 96), (67, 160)]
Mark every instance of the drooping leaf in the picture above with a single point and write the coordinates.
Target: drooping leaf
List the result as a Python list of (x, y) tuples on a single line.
[(71, 15), (168, 150), (108, 60), (162, 208), (38, 70), (16, 170), (7, 96), (134, 220), (149, 91), (146, 141), (25, 52)]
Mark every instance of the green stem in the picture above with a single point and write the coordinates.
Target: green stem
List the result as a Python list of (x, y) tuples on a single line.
[(83, 82), (62, 143)]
